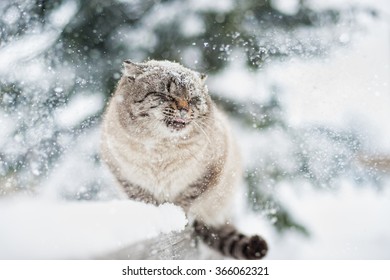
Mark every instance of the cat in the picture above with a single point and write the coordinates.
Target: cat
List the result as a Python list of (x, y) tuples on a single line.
[(165, 140)]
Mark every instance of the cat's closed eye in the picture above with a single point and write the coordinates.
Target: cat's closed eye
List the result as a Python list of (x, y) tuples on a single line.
[(163, 97), (195, 101)]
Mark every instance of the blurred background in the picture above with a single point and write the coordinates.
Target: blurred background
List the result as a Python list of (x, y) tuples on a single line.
[(304, 82)]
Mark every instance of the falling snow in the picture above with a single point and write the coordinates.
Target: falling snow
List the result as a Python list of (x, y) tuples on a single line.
[(308, 102)]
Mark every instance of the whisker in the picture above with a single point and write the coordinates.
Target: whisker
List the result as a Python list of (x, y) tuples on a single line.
[(156, 124), (204, 117), (201, 129), (203, 124)]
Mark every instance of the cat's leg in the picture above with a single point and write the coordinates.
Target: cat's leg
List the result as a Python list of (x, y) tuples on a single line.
[(137, 193), (209, 180)]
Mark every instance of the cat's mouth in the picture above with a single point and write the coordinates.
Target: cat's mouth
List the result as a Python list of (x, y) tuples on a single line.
[(177, 123)]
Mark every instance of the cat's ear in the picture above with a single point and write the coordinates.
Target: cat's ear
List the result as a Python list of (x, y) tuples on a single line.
[(132, 69), (203, 76)]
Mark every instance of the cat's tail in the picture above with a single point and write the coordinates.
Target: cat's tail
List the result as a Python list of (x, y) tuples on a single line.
[(228, 241)]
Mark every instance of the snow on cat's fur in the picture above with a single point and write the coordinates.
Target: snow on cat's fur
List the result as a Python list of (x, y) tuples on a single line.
[(166, 141)]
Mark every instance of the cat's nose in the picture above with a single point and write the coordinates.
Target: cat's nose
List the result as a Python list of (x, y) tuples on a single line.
[(183, 107), (182, 104)]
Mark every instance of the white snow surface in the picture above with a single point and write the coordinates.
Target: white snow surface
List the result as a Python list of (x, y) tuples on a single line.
[(47, 229), (350, 223)]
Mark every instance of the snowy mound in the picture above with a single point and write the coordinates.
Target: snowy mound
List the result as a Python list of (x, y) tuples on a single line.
[(36, 229)]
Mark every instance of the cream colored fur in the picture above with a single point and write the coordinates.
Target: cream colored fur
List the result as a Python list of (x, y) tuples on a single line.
[(166, 162)]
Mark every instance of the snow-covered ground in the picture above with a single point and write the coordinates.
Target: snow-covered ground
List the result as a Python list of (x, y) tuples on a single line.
[(47, 229), (348, 224)]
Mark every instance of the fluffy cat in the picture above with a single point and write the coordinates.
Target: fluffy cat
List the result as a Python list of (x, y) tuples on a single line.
[(166, 141)]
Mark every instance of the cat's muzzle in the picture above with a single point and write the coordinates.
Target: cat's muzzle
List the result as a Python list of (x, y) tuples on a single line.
[(178, 123)]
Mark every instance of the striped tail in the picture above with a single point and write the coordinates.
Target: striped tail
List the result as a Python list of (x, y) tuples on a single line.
[(228, 241)]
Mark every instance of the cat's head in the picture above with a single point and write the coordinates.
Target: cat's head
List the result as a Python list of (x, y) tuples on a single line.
[(162, 98)]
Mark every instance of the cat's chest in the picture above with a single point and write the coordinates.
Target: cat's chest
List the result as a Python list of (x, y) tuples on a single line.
[(166, 170)]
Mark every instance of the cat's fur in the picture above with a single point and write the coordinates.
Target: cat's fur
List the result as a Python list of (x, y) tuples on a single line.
[(166, 141)]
